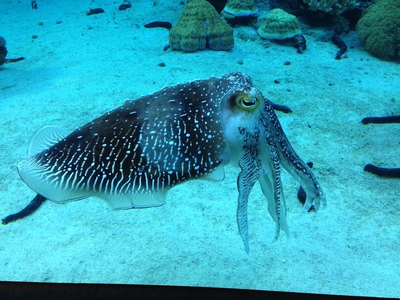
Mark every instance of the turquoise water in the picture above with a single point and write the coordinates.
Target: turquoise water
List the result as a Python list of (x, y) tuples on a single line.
[(78, 67)]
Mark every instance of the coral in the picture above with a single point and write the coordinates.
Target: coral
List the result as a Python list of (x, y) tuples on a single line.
[(200, 26), (240, 8), (330, 6), (379, 29), (279, 25)]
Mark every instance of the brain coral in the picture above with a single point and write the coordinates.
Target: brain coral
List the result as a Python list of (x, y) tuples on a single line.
[(330, 6), (199, 26), (379, 29), (279, 25), (240, 8)]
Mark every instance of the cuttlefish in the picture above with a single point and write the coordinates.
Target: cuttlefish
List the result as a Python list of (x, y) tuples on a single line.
[(133, 155)]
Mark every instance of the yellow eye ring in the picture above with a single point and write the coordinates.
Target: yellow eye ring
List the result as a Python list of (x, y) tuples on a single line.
[(247, 102)]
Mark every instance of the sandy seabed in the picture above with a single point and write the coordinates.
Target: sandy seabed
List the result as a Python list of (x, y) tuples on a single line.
[(81, 66)]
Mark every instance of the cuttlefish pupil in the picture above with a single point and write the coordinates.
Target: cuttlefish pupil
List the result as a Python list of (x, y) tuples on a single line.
[(133, 155), (247, 102)]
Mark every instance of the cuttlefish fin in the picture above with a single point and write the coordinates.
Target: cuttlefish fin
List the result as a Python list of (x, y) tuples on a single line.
[(34, 175), (217, 175), (248, 176), (44, 138), (127, 201)]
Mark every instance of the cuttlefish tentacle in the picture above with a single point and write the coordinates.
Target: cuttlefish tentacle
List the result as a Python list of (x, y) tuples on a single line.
[(251, 163), (264, 149), (251, 170), (271, 186), (276, 204), (291, 162)]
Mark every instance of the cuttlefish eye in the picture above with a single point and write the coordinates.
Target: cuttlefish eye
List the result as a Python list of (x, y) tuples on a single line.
[(247, 102)]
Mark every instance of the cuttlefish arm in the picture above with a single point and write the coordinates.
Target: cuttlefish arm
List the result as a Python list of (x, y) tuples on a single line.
[(291, 162), (251, 170), (263, 166), (259, 146), (271, 186)]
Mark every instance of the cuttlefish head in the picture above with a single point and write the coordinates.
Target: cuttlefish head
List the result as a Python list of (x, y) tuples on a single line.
[(258, 145)]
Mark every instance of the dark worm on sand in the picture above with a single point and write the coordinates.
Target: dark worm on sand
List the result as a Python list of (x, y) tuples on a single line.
[(95, 11), (385, 172), (381, 120), (300, 43), (125, 5), (342, 46), (283, 108), (161, 24), (27, 211), (11, 60)]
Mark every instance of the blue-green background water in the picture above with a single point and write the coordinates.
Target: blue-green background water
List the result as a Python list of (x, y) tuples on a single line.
[(80, 66)]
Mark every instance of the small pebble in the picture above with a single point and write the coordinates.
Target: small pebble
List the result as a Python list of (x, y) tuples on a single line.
[(40, 24), (240, 62), (161, 64), (58, 22), (277, 81), (34, 36), (286, 63)]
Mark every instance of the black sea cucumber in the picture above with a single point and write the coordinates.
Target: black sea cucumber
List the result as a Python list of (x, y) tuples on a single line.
[(381, 120), (161, 24), (342, 46), (27, 211), (95, 11), (385, 172), (283, 108), (125, 5), (300, 43), (11, 60)]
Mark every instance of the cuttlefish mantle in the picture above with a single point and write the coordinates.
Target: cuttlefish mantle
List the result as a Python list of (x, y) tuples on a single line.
[(133, 155)]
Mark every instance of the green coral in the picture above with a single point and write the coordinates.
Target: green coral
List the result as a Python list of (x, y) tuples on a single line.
[(200, 26), (330, 6), (379, 29), (279, 25), (240, 8)]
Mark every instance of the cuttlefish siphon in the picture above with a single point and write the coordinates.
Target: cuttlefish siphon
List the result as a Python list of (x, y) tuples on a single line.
[(133, 155)]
